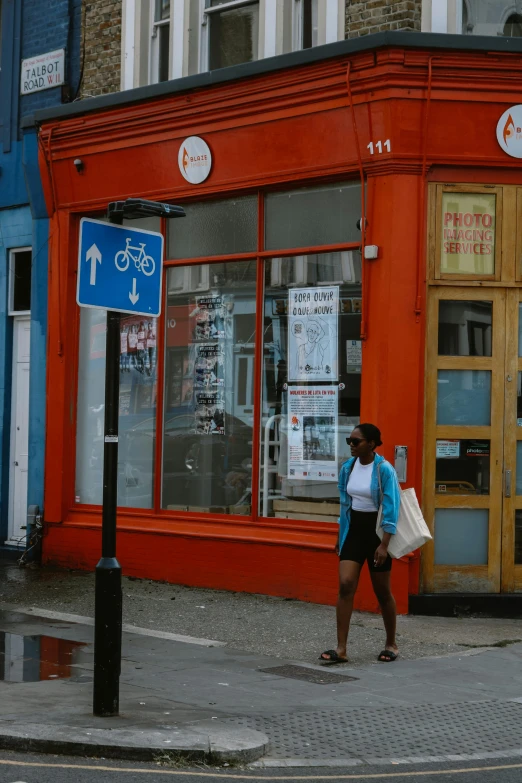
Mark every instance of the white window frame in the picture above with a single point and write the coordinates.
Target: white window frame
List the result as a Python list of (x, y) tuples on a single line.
[(154, 42), (12, 253), (206, 12), (442, 16), (139, 56)]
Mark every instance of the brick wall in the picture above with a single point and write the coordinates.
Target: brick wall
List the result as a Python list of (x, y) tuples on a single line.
[(102, 40), (364, 17)]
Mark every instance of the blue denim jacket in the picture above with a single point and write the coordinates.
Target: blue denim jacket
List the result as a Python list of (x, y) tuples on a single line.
[(391, 499)]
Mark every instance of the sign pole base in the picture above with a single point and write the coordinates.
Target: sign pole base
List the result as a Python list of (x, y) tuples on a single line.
[(107, 638)]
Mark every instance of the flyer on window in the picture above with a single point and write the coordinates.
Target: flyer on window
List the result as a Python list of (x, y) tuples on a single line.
[(312, 333), (209, 366), (210, 413), (312, 432)]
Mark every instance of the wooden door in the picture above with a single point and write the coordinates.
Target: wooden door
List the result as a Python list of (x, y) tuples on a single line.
[(464, 455)]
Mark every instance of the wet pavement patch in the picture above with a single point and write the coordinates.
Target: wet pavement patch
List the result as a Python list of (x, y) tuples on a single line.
[(307, 674), (37, 657)]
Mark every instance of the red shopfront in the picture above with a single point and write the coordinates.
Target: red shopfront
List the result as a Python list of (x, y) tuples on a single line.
[(277, 336)]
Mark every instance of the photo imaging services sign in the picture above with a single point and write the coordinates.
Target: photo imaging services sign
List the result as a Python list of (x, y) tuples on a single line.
[(42, 72)]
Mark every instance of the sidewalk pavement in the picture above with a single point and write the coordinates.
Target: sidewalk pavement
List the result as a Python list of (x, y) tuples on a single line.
[(211, 701)]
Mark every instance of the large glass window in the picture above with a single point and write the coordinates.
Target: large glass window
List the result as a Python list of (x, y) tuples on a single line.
[(137, 410), (209, 397), (234, 32), (312, 358), (310, 365)]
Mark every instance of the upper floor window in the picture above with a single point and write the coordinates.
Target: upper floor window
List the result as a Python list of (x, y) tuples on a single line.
[(306, 23), (160, 48), (163, 39), (233, 32), (492, 17)]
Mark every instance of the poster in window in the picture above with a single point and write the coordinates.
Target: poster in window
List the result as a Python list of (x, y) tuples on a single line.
[(468, 233), (312, 432), (209, 320), (210, 413), (353, 356), (312, 333), (209, 366)]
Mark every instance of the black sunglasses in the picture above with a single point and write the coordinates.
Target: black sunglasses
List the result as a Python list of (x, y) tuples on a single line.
[(354, 441)]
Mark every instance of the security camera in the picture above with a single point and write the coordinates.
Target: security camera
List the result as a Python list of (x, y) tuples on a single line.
[(359, 224), (78, 165)]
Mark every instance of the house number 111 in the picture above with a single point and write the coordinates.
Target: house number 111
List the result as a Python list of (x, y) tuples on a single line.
[(379, 145)]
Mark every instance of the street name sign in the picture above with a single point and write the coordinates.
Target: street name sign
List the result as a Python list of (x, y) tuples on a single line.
[(119, 268)]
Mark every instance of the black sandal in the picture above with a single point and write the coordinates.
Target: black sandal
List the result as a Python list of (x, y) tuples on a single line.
[(387, 656), (333, 659)]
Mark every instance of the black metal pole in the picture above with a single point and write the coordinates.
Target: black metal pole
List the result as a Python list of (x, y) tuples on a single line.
[(108, 595)]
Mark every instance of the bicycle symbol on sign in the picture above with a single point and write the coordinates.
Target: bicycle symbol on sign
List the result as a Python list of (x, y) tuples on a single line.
[(142, 261)]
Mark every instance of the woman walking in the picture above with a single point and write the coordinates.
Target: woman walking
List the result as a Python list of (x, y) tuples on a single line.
[(366, 481)]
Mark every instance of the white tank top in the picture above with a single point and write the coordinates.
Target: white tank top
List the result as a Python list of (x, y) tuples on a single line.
[(359, 487)]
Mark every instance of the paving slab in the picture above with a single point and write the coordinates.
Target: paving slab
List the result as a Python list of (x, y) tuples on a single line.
[(460, 701)]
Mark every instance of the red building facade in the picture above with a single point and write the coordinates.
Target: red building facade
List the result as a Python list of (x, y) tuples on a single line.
[(230, 434)]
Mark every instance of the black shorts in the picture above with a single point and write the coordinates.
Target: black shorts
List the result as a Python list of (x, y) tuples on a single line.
[(362, 541)]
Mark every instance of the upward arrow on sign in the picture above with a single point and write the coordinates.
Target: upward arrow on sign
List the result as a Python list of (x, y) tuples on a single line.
[(93, 255)]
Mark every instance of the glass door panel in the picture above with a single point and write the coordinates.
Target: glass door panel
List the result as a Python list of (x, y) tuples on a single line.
[(464, 436)]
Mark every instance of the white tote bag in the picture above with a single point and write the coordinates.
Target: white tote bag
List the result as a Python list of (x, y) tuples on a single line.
[(412, 531)]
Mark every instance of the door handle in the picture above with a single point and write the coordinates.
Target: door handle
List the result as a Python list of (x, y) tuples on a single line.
[(507, 483)]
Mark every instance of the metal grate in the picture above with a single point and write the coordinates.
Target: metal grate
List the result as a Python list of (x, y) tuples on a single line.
[(309, 675)]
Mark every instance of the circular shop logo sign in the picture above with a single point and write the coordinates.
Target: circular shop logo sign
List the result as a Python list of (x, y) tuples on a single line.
[(194, 160), (509, 131)]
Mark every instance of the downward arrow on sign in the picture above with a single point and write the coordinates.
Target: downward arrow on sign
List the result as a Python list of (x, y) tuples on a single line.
[(133, 296), (93, 255)]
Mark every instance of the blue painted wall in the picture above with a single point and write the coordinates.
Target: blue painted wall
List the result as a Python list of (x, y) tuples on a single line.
[(29, 28)]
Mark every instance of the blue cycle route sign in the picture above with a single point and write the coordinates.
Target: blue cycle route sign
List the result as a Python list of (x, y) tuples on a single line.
[(119, 268)]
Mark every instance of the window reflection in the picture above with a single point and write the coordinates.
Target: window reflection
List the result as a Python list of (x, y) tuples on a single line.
[(465, 328), (137, 409), (209, 388), (464, 397)]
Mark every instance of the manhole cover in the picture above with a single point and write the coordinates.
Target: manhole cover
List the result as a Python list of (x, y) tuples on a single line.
[(310, 675)]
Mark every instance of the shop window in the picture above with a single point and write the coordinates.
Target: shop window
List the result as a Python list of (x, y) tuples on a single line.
[(209, 382), (311, 383), (214, 228), (309, 217), (160, 49), (467, 235), (233, 32), (20, 261), (137, 409)]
